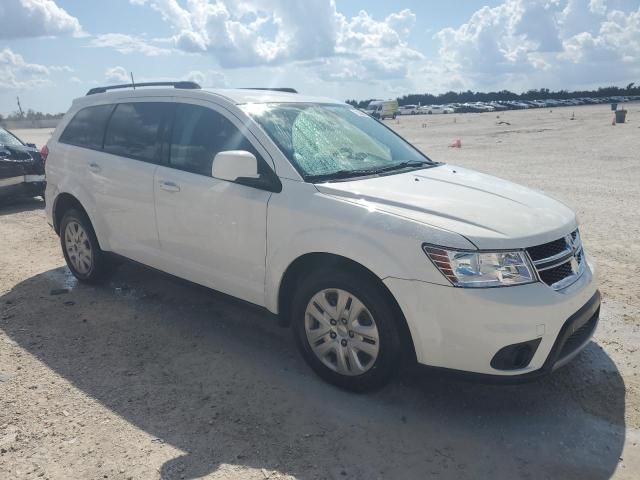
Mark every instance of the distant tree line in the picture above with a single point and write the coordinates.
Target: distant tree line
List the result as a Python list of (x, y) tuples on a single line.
[(31, 115), (469, 96)]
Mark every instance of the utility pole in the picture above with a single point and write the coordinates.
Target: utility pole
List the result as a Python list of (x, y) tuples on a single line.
[(20, 107)]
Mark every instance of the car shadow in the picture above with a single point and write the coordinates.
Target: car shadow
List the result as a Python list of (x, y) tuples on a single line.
[(22, 204), (220, 381)]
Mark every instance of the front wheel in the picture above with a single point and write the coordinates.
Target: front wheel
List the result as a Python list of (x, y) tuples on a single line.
[(346, 330)]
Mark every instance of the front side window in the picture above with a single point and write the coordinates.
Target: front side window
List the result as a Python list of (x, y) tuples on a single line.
[(326, 141), (135, 130), (86, 128), (199, 134)]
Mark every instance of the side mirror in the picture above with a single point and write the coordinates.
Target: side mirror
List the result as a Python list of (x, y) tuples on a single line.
[(31, 145), (235, 164)]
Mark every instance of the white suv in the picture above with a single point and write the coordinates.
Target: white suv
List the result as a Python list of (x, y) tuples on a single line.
[(322, 215)]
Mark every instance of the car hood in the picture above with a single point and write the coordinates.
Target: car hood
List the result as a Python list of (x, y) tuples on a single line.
[(490, 212)]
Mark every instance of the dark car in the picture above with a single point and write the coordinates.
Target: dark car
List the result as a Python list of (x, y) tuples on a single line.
[(21, 168)]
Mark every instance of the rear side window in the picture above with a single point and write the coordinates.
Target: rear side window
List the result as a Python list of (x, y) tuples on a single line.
[(199, 134), (135, 130), (86, 128)]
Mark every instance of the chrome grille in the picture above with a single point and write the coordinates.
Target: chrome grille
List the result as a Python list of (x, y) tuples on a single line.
[(561, 262)]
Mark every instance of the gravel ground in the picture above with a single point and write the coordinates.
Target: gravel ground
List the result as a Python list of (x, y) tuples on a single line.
[(151, 377)]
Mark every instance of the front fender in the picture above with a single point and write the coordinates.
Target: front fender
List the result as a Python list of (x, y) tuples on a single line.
[(386, 244)]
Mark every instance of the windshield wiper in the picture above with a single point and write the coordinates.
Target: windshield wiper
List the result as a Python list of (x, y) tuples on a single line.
[(322, 177), (401, 165), (339, 174)]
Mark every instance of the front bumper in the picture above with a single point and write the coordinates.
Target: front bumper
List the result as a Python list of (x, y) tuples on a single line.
[(463, 329), (23, 185)]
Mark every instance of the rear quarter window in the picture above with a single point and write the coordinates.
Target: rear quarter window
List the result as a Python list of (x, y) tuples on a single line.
[(86, 128)]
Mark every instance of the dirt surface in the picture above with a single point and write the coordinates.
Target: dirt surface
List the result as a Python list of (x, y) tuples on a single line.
[(151, 377)]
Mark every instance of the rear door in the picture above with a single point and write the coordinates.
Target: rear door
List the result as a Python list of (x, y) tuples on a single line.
[(212, 231), (123, 175)]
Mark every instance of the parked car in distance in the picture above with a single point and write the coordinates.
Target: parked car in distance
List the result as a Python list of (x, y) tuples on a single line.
[(408, 110), (483, 107), (435, 109), (382, 109), (21, 168), (369, 250), (497, 106)]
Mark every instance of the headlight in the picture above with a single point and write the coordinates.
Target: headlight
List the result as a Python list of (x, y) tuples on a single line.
[(482, 269)]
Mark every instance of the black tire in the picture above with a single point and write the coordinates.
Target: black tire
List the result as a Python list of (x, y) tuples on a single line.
[(100, 267), (374, 298)]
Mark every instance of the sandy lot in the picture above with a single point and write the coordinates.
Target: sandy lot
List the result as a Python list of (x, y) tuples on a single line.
[(150, 377)]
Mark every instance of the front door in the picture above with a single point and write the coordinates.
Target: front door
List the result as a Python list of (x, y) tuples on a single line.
[(212, 232)]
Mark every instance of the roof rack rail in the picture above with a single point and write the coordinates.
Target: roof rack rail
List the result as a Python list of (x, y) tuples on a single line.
[(184, 85), (274, 89)]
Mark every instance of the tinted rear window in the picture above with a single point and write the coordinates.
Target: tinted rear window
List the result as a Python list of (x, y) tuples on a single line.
[(135, 129), (86, 129)]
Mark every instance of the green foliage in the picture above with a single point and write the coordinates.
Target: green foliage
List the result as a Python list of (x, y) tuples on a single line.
[(469, 96), (32, 115)]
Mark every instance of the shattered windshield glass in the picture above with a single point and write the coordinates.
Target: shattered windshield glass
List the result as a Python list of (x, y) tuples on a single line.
[(325, 140)]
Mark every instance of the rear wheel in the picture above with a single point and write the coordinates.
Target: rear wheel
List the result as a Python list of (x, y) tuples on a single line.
[(80, 247), (346, 329)]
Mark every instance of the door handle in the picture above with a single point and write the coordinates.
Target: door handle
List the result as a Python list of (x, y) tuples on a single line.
[(169, 186), (94, 167)]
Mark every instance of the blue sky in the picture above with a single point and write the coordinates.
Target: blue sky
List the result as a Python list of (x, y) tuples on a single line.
[(54, 50)]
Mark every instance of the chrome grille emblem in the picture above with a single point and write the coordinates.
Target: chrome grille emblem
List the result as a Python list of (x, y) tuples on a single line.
[(565, 265), (575, 266), (570, 241)]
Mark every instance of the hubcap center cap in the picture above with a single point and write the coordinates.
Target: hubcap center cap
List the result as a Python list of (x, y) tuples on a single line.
[(343, 332)]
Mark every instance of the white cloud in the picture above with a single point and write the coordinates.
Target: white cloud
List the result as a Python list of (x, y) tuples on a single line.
[(555, 43), (16, 73), (36, 18), (613, 51), (515, 36), (206, 78), (117, 74), (61, 68), (598, 6), (127, 44), (209, 78), (253, 32), (372, 50), (271, 32)]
